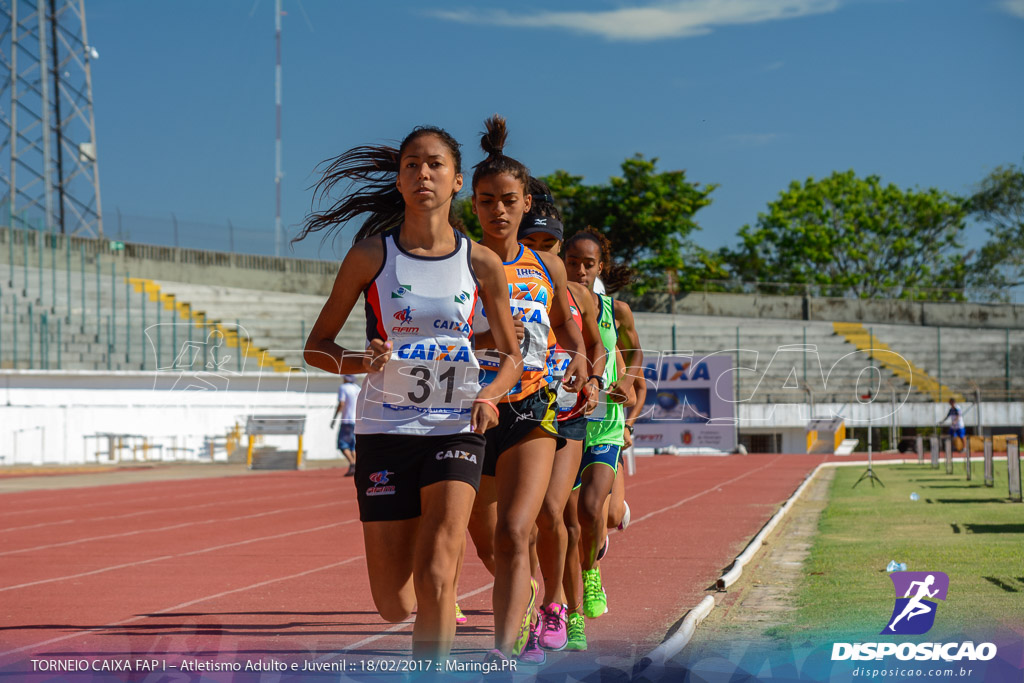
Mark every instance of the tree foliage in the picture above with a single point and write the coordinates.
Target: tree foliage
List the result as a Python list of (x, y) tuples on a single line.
[(999, 204), (648, 215), (856, 236)]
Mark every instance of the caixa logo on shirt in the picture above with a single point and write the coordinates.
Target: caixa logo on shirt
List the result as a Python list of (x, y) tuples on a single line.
[(381, 487)]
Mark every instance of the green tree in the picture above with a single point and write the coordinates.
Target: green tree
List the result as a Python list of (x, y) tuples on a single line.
[(999, 204), (647, 216), (856, 236), (464, 210)]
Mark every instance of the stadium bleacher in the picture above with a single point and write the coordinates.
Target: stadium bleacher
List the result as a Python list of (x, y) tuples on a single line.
[(112, 319)]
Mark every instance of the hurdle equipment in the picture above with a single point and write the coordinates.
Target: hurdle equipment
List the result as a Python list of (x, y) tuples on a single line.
[(989, 469), (275, 425), (1013, 469)]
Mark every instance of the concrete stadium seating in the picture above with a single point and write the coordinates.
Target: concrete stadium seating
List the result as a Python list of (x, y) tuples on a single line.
[(107, 332)]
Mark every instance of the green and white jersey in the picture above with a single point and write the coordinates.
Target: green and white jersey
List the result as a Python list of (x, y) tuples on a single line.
[(608, 420)]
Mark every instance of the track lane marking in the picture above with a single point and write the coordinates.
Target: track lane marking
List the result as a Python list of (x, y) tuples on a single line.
[(92, 493), (182, 605), (182, 525), (711, 488), (176, 508), (171, 557)]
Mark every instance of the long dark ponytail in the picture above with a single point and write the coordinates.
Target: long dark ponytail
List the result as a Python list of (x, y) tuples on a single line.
[(369, 173)]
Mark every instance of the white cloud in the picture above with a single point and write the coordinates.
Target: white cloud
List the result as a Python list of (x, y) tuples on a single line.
[(774, 66), (1014, 7), (753, 139), (678, 19)]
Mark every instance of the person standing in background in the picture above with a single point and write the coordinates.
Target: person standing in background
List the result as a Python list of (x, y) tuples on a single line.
[(347, 394), (957, 431)]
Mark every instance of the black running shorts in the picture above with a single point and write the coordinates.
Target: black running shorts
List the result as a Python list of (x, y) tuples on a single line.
[(392, 468)]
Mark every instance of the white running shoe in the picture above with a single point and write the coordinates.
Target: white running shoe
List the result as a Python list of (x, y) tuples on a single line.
[(625, 517)]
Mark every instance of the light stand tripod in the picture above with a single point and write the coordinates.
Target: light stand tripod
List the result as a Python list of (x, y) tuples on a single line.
[(869, 473)]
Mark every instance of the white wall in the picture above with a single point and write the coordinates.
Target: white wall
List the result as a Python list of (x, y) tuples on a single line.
[(56, 411), (45, 415)]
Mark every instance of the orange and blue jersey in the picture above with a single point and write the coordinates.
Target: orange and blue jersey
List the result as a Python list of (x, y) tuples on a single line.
[(530, 292)]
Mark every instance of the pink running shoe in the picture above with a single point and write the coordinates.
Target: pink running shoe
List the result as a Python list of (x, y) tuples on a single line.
[(553, 635), (460, 618), (532, 654)]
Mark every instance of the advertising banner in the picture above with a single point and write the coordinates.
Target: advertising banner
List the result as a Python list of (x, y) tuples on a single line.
[(690, 403)]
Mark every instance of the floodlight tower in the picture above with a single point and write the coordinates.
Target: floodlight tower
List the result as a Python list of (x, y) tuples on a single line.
[(48, 164), (278, 173)]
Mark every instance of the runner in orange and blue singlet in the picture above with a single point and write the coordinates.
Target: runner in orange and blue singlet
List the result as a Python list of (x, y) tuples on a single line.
[(521, 448)]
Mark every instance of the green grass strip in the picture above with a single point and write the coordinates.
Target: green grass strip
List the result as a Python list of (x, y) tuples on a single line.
[(965, 529)]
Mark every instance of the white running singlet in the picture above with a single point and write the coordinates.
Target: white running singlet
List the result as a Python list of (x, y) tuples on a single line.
[(424, 306)]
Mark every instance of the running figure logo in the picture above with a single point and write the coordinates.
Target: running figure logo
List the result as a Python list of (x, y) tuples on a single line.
[(382, 485), (914, 613)]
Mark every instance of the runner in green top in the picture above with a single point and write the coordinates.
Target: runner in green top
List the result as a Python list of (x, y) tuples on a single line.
[(587, 256), (607, 421)]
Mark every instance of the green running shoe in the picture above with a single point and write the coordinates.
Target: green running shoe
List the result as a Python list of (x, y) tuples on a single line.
[(524, 627), (577, 634), (595, 602)]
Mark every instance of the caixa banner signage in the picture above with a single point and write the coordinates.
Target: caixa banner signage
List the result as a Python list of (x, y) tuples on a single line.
[(690, 403)]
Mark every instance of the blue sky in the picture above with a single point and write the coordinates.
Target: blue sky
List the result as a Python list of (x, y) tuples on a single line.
[(746, 94)]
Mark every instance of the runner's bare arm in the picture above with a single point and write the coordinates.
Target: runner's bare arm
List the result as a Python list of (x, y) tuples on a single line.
[(628, 340), (591, 340), (621, 391), (357, 271), (485, 339), (591, 335), (566, 333), (494, 295), (640, 390)]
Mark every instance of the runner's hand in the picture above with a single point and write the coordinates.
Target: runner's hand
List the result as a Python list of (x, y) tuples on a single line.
[(593, 394), (575, 374), (482, 417), (620, 394), (627, 438), (518, 326), (378, 354)]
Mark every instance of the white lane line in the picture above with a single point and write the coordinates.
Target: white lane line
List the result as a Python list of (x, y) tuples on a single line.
[(171, 527), (713, 487), (112, 499), (175, 509), (658, 480), (170, 557), (181, 606), (401, 626)]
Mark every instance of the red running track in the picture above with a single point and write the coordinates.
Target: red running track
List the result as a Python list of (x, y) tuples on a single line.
[(270, 565)]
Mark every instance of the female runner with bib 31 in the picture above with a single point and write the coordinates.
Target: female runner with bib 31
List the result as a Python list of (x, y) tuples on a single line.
[(422, 414)]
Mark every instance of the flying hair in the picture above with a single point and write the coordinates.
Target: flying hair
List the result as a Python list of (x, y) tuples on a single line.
[(368, 174), (614, 275)]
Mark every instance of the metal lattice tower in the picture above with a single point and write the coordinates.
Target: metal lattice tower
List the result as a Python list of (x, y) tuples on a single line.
[(49, 175)]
